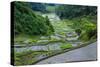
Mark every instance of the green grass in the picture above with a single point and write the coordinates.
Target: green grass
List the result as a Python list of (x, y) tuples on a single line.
[(62, 26), (29, 40), (27, 57), (66, 46), (23, 37)]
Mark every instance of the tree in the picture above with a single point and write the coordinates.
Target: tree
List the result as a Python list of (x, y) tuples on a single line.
[(27, 22), (72, 11), (38, 7)]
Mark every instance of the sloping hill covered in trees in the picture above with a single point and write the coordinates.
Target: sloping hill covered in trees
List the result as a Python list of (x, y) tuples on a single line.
[(27, 22)]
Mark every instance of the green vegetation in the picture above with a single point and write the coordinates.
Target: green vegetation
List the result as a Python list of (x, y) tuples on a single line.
[(50, 8), (27, 57), (86, 28), (33, 27), (28, 40), (61, 27), (27, 22), (78, 31), (66, 46), (38, 7), (24, 39), (82, 19), (71, 11)]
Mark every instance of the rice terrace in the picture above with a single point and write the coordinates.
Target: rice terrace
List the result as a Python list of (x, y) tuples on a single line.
[(47, 33)]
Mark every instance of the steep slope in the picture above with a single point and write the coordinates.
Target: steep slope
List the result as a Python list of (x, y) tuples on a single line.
[(27, 22)]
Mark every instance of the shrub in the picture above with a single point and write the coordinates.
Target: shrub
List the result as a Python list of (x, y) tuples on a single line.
[(66, 46), (78, 31)]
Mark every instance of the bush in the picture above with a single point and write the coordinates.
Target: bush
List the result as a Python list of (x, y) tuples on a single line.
[(78, 31), (66, 46)]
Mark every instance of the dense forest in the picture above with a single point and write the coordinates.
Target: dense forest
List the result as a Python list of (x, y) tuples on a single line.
[(27, 22), (71, 11)]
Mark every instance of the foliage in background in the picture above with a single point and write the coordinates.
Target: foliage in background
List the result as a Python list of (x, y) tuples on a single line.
[(71, 11), (85, 28), (38, 7)]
